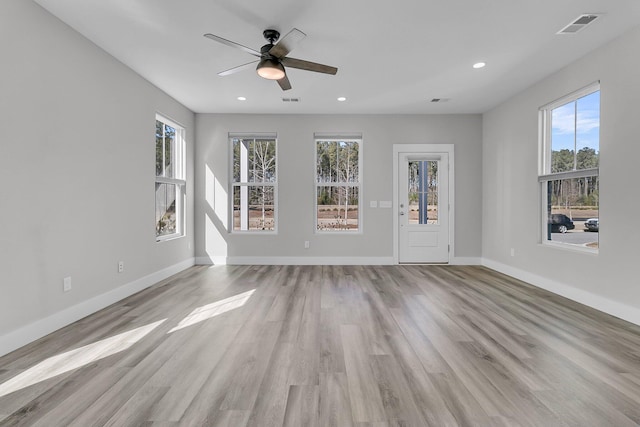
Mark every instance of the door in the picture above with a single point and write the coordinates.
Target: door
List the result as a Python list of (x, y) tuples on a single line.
[(423, 207)]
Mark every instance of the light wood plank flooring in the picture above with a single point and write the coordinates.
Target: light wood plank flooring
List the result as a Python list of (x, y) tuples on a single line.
[(331, 346)]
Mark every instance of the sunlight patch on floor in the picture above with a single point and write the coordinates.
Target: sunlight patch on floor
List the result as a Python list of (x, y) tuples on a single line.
[(77, 358), (214, 309)]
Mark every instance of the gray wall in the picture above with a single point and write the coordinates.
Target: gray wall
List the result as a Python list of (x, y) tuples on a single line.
[(511, 211), (77, 169), (296, 171)]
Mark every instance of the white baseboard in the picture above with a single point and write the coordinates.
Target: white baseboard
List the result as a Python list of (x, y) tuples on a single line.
[(248, 260), (465, 261), (38, 329), (206, 260), (600, 303), (317, 261), (311, 260)]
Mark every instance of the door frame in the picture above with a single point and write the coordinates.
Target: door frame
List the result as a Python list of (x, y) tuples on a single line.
[(422, 149)]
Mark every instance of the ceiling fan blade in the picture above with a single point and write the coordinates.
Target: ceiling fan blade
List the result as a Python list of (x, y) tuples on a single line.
[(284, 83), (308, 65), (238, 68), (287, 43), (233, 44)]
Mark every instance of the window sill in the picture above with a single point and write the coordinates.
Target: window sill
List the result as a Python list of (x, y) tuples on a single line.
[(570, 248), (338, 233), (168, 237), (254, 232)]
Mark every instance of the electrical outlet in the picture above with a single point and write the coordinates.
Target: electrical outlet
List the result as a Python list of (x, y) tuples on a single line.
[(306, 244), (66, 284), (120, 266)]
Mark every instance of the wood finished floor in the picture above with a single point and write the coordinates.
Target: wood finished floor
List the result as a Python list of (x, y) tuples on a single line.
[(332, 346)]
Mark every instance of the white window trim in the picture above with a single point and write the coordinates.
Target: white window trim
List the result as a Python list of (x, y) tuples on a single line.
[(579, 173), (545, 124), (346, 138), (181, 183), (266, 135), (544, 166)]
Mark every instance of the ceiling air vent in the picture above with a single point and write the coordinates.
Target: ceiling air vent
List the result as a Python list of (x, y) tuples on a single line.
[(439, 100), (290, 99), (579, 23)]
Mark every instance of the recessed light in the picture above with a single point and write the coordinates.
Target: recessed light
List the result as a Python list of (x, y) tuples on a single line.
[(242, 98), (479, 65), (342, 99)]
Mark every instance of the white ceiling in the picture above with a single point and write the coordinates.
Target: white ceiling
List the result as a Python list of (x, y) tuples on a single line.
[(393, 57)]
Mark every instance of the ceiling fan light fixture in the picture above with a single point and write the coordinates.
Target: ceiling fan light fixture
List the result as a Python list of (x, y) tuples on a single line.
[(270, 69)]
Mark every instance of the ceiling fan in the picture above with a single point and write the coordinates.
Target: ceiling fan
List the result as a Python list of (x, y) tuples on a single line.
[(273, 57)]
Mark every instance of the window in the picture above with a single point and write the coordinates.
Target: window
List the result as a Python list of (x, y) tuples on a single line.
[(338, 178), (170, 179), (254, 183), (423, 191), (569, 169)]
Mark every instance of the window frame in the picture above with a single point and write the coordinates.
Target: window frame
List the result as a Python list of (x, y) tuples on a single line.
[(178, 179), (338, 138), (545, 176), (233, 184)]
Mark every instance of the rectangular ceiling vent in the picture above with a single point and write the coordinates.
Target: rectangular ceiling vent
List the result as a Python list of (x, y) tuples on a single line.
[(439, 100), (290, 99), (579, 23)]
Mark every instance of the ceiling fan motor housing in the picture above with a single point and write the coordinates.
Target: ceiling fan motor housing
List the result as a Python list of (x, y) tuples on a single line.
[(264, 50)]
